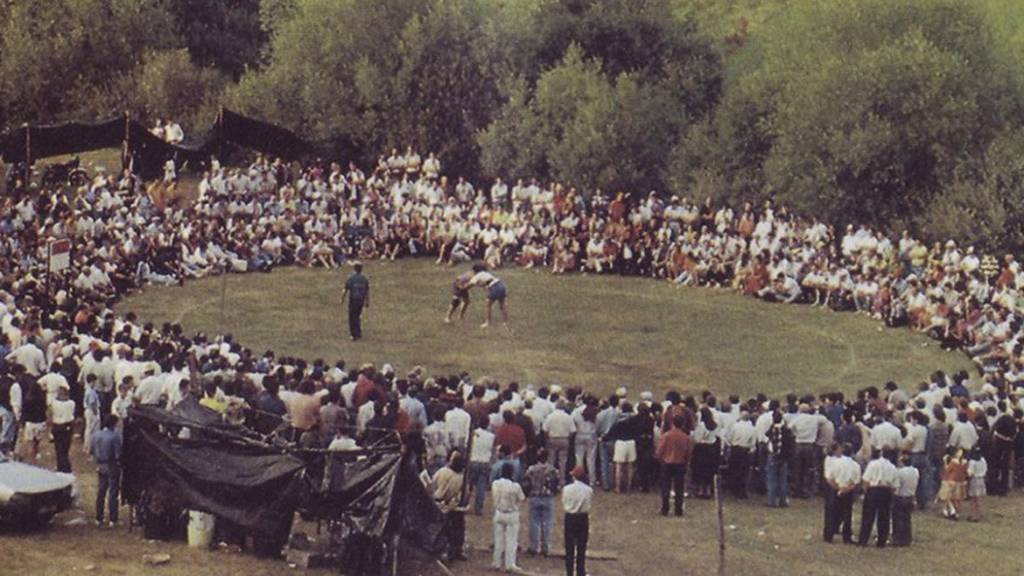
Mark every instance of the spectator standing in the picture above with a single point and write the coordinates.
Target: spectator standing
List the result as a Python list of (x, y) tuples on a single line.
[(507, 496), (540, 484), (674, 451), (879, 481), (558, 427), (977, 471), (447, 494), (106, 449), (481, 454), (62, 416), (577, 498), (842, 477), (903, 501), (954, 483), (779, 446), (606, 418)]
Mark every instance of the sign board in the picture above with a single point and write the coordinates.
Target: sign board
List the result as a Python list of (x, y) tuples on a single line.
[(58, 255)]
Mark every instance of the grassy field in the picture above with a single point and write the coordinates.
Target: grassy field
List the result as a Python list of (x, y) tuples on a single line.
[(598, 332)]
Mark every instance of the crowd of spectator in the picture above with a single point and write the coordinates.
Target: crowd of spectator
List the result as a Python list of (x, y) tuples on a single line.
[(62, 342)]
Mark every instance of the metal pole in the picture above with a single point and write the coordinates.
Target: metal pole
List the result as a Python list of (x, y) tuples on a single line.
[(721, 526)]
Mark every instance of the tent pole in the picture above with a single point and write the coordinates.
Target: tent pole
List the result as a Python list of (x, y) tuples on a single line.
[(28, 155), (126, 144), (220, 134)]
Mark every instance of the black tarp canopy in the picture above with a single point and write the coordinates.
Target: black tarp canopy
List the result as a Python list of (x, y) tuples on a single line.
[(57, 139), (148, 151), (263, 136), (233, 473)]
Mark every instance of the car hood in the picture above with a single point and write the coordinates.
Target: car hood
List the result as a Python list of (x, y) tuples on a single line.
[(19, 478)]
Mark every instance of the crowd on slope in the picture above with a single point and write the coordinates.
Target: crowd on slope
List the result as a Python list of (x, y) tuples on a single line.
[(67, 355)]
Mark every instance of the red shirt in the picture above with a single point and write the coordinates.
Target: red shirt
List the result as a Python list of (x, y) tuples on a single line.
[(674, 447), (511, 435), (365, 391)]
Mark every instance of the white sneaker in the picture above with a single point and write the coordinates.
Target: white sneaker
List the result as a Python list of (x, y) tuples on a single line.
[(485, 324)]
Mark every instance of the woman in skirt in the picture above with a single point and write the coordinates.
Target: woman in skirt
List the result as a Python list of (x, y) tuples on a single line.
[(977, 470), (954, 483)]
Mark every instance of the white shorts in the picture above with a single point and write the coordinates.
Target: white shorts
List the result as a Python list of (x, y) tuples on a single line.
[(35, 431), (625, 451)]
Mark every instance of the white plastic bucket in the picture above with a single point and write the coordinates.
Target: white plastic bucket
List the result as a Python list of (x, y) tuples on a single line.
[(200, 529)]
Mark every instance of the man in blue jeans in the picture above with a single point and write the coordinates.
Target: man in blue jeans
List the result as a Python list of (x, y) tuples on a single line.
[(541, 483), (106, 449), (779, 443), (607, 418), (481, 452)]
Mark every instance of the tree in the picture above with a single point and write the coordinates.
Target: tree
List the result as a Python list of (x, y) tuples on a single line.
[(584, 129), (226, 35), (57, 53), (331, 70), (857, 111), (445, 90)]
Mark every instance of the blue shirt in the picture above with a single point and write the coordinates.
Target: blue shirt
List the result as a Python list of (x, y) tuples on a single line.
[(271, 404), (106, 448), (414, 408), (606, 419), (92, 400), (8, 427)]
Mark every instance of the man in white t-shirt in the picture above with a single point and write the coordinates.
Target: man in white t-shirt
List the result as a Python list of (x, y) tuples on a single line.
[(62, 415), (481, 452)]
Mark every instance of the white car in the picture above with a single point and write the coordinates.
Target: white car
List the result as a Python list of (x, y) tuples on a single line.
[(31, 496)]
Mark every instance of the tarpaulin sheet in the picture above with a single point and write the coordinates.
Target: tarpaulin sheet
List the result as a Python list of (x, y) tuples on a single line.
[(66, 138), (263, 136), (230, 472), (253, 486), (149, 153)]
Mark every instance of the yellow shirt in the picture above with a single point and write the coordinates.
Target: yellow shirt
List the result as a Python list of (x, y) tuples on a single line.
[(213, 404)]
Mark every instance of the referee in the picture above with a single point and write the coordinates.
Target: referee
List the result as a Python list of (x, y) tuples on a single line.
[(357, 288)]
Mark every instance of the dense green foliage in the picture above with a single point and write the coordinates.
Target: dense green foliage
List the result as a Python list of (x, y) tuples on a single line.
[(892, 112)]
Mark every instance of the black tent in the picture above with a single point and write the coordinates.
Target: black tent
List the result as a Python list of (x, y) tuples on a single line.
[(235, 474), (262, 136), (57, 139), (147, 151)]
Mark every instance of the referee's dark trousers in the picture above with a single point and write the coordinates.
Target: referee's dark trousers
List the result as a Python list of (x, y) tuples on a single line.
[(355, 313), (577, 530)]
